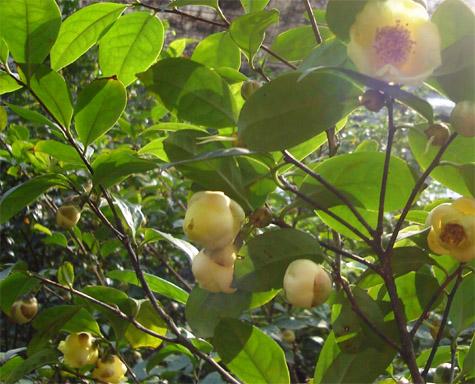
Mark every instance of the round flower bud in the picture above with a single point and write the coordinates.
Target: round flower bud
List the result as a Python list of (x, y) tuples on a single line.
[(438, 134), (306, 284), (79, 350), (463, 118), (261, 217), (395, 41), (212, 219), (23, 311), (453, 229), (288, 336), (225, 256), (110, 369), (67, 216), (249, 87), (373, 100), (210, 275)]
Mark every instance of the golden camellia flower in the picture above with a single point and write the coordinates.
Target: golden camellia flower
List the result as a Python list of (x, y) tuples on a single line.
[(394, 40), (453, 229), (110, 369), (79, 350)]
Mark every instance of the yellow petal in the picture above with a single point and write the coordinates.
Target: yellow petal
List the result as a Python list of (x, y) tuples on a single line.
[(435, 245), (466, 205)]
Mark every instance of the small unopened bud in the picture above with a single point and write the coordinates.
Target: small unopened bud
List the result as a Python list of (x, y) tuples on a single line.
[(261, 217), (67, 216), (212, 276), (373, 100), (23, 311), (249, 87), (288, 336), (438, 134)]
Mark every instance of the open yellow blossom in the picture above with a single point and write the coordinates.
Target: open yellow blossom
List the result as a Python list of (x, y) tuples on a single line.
[(395, 41), (453, 229), (79, 350), (110, 370)]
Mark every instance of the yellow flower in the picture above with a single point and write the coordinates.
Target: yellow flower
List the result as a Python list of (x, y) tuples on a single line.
[(453, 229), (394, 40), (110, 369), (79, 350)]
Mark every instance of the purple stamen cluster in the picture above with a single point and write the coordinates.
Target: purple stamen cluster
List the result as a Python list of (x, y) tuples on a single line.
[(393, 44)]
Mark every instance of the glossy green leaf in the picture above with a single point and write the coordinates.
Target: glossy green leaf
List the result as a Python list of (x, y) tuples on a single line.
[(358, 176), (60, 151), (30, 115), (249, 353), (254, 5), (330, 53), (81, 31), (287, 112), (467, 171), (152, 234), (24, 194), (157, 284), (461, 314), (459, 152), (131, 46), (9, 366), (265, 258), (65, 274), (29, 27), (31, 363), (114, 166), (468, 367), (13, 287), (218, 50), (51, 89), (155, 148), (441, 356), (149, 318), (98, 108), (341, 15), (195, 92), (295, 43), (7, 83), (248, 31)]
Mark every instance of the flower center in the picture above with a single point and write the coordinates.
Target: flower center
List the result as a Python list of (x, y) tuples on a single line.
[(393, 44), (452, 234)]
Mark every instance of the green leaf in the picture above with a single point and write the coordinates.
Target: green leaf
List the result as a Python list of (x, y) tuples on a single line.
[(249, 353), (149, 318), (65, 274), (14, 286), (29, 27), (248, 31), (81, 31), (467, 171), (155, 148), (51, 89), (60, 151), (114, 166), (157, 284), (254, 5), (441, 356), (341, 14), (131, 46), (9, 366), (7, 83), (30, 115), (195, 92), (218, 50), (3, 118), (266, 257), (338, 367), (152, 234), (295, 43), (98, 108), (459, 152), (16, 198), (330, 53), (288, 111), (461, 314), (358, 176), (468, 367), (30, 364)]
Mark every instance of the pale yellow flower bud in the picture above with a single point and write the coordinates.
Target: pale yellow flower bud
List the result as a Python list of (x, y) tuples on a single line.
[(79, 350), (212, 276), (110, 369)]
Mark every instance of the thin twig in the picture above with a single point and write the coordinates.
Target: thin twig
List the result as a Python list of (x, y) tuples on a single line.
[(433, 299), (313, 21), (350, 255), (443, 323)]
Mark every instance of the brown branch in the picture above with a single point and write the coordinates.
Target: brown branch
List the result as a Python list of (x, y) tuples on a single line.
[(433, 299), (313, 21), (443, 323), (350, 255), (416, 189)]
